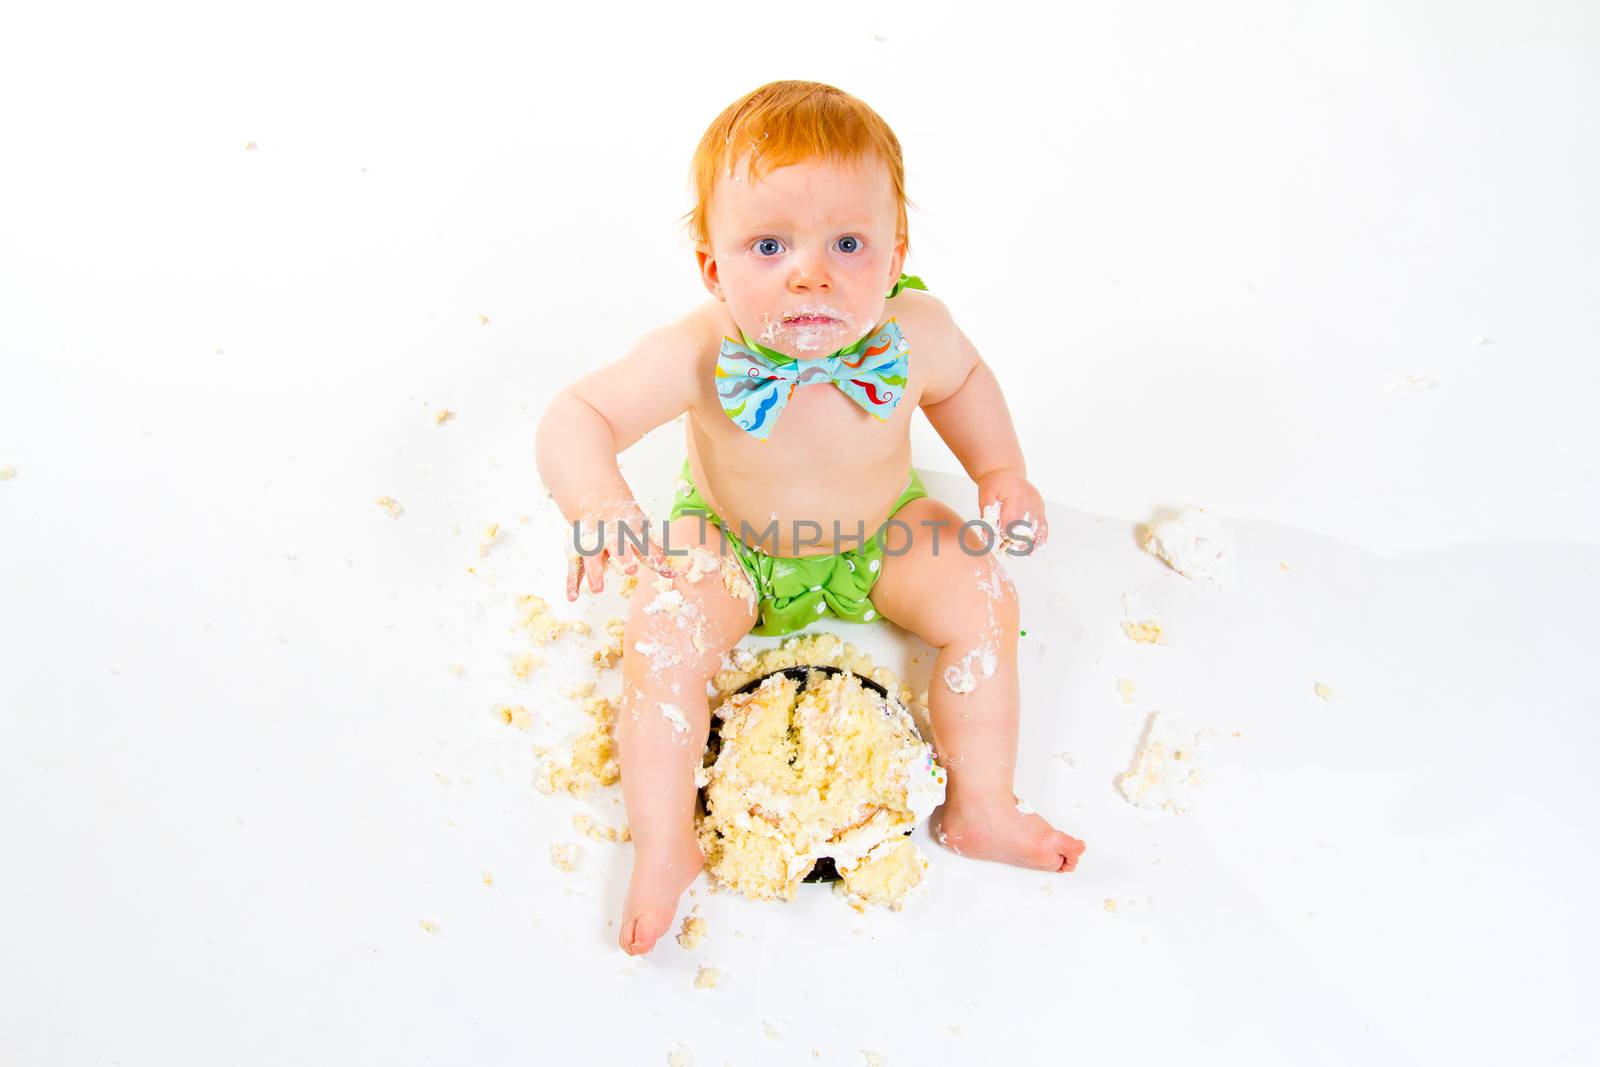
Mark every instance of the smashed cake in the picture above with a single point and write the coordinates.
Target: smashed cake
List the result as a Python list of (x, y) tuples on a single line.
[(816, 766)]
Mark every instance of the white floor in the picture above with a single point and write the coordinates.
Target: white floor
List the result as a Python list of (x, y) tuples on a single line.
[(1327, 264), (238, 773)]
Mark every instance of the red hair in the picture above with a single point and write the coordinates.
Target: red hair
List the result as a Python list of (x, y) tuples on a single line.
[(787, 122)]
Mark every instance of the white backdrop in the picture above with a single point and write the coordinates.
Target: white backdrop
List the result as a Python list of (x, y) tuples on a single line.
[(248, 812), (1200, 243)]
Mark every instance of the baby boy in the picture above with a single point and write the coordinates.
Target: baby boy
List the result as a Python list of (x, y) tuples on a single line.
[(799, 378)]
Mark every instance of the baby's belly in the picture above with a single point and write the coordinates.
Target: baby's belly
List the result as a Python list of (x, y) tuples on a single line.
[(816, 470)]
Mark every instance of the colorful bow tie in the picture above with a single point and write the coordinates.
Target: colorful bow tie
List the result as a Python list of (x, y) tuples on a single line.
[(754, 382)]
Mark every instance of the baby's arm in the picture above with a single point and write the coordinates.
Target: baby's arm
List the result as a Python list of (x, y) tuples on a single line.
[(601, 414), (963, 402)]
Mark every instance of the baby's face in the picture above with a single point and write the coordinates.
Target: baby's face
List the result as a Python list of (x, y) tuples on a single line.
[(804, 256)]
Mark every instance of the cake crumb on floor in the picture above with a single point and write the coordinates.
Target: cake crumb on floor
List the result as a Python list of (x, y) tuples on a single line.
[(1145, 633), (541, 625), (589, 827), (1193, 544), (516, 715), (692, 930)]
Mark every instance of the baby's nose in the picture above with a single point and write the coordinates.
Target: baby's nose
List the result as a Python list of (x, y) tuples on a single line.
[(808, 275)]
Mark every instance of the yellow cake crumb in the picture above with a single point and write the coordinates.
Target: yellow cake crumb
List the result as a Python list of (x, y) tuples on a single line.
[(1111, 905), (586, 825), (678, 1057), (523, 664), (515, 715), (607, 656), (565, 856), (1323, 691), (442, 416), (491, 535), (488, 879), (429, 925), (390, 505), (582, 691), (1145, 633), (7, 473), (458, 670), (707, 978), (819, 648), (543, 627), (885, 876), (483, 320), (1125, 689), (630, 582), (692, 930), (593, 760)]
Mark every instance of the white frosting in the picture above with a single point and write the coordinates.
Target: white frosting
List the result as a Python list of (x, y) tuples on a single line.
[(660, 656), (991, 516), (925, 786), (671, 600), (1192, 544), (1002, 538), (674, 714), (1164, 768), (959, 679)]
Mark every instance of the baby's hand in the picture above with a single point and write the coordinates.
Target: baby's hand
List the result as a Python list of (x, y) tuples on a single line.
[(1005, 497), (630, 515)]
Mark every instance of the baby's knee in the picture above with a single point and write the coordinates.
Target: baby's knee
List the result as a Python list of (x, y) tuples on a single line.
[(678, 628), (977, 601)]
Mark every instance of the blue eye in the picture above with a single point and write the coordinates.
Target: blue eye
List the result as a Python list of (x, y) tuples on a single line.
[(768, 246), (848, 244)]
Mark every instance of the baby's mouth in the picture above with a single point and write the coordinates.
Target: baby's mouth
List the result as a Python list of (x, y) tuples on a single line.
[(806, 328)]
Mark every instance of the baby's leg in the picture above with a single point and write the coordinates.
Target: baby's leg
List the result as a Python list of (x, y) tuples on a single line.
[(966, 607), (671, 648)]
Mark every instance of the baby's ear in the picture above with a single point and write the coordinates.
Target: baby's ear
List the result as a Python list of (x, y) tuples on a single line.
[(708, 270)]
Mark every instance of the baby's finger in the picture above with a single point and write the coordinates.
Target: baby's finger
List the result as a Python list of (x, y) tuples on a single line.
[(595, 565), (658, 562), (574, 564)]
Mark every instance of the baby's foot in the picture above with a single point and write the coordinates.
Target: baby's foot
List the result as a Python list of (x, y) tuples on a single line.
[(661, 872), (1005, 834)]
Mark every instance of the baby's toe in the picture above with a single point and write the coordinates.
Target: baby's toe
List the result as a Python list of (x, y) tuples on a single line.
[(640, 934), (1068, 849)]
